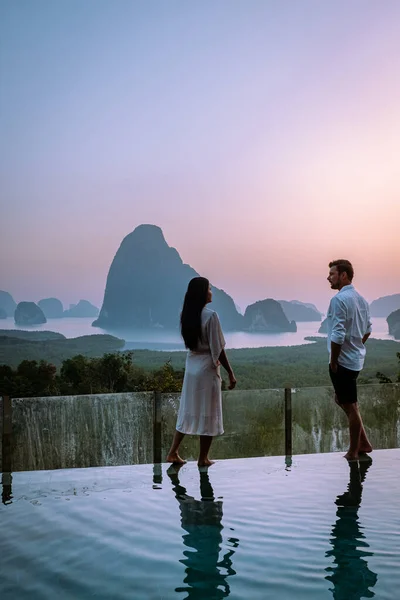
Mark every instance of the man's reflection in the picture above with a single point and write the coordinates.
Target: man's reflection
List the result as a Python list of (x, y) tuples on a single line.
[(6, 485), (351, 577), (206, 575)]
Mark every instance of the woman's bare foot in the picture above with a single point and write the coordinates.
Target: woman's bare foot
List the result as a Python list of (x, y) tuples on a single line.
[(205, 463), (175, 459), (351, 455)]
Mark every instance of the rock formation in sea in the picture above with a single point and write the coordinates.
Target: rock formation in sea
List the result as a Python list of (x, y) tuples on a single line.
[(146, 285), (382, 307), (52, 308), (7, 303), (393, 322), (29, 313), (324, 326), (300, 311), (268, 316), (83, 309)]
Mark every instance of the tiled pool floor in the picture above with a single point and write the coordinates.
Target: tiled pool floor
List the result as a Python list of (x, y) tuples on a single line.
[(246, 529)]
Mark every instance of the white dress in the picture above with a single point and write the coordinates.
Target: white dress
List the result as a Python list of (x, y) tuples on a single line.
[(200, 409)]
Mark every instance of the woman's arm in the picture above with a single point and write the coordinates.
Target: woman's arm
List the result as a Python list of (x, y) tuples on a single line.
[(223, 359)]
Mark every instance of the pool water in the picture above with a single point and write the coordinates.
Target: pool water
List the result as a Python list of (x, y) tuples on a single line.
[(245, 529)]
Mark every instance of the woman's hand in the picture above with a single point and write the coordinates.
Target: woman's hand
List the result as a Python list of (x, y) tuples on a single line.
[(232, 381)]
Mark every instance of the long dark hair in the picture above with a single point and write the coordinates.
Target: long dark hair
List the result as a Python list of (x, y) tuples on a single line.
[(194, 302)]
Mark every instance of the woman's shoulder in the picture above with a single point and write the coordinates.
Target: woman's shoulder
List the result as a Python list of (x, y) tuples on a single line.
[(208, 313)]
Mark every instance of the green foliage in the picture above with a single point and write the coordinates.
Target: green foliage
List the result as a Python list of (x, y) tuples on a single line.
[(167, 379), (384, 378), (277, 367), (107, 374), (29, 379), (37, 347), (92, 365), (111, 373)]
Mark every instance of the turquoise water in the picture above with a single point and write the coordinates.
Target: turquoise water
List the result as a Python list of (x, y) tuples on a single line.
[(246, 529)]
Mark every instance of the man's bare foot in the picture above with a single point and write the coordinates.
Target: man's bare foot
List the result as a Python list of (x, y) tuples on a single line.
[(365, 449), (205, 463), (351, 455), (175, 459)]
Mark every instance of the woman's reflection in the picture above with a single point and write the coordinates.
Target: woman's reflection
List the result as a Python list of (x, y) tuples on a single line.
[(206, 575), (351, 577)]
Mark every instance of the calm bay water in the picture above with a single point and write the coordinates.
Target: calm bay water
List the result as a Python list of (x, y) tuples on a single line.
[(159, 339)]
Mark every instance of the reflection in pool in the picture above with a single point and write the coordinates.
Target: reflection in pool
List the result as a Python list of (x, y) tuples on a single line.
[(351, 577), (206, 573)]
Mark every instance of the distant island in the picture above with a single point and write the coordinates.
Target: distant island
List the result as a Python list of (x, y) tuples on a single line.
[(30, 313), (83, 309), (7, 304), (52, 308), (267, 315), (300, 311), (146, 284), (393, 322), (382, 307)]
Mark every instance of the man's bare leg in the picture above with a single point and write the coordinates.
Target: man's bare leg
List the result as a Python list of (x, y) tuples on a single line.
[(205, 443), (364, 445), (355, 427), (173, 456)]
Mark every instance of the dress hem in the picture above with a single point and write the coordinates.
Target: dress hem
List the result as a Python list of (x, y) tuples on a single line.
[(200, 433)]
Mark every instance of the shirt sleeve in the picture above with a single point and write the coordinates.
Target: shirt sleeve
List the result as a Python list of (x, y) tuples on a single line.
[(369, 322), (216, 338), (339, 315)]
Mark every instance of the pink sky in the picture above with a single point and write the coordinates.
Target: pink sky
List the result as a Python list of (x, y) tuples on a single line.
[(263, 138)]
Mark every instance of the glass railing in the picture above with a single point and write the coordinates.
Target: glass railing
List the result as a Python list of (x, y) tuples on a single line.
[(133, 428)]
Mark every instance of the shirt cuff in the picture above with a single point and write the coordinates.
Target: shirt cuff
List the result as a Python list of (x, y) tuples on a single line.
[(337, 339)]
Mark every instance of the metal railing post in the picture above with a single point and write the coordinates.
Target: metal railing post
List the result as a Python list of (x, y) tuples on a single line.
[(288, 422), (6, 434), (157, 428)]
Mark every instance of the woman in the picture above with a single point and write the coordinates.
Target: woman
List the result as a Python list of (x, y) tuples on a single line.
[(200, 410)]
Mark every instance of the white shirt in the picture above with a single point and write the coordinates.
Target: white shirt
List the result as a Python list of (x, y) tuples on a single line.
[(348, 321)]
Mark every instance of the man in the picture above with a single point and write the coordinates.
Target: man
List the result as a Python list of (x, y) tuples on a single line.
[(349, 327)]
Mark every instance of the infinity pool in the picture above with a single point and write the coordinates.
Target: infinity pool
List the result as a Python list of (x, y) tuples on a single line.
[(246, 529)]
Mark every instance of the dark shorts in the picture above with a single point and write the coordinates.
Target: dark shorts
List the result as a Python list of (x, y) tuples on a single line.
[(345, 384)]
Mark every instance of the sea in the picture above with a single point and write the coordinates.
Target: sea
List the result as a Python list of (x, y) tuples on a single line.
[(170, 340)]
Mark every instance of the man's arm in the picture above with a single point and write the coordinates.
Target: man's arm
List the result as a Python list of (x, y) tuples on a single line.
[(369, 326), (335, 351), (338, 331), (366, 336)]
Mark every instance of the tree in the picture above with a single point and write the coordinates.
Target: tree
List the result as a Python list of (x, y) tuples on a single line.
[(30, 378)]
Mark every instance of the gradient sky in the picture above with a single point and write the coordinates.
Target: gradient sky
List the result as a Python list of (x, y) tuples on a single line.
[(263, 137)]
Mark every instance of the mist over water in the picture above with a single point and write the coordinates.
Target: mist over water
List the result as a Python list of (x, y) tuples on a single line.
[(169, 340)]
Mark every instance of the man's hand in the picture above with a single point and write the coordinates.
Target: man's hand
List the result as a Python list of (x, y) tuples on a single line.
[(232, 381), (333, 366)]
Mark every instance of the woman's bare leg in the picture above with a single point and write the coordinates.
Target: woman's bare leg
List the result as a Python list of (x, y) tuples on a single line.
[(173, 456), (205, 443)]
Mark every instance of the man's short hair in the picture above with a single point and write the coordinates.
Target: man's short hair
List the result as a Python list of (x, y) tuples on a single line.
[(343, 266)]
